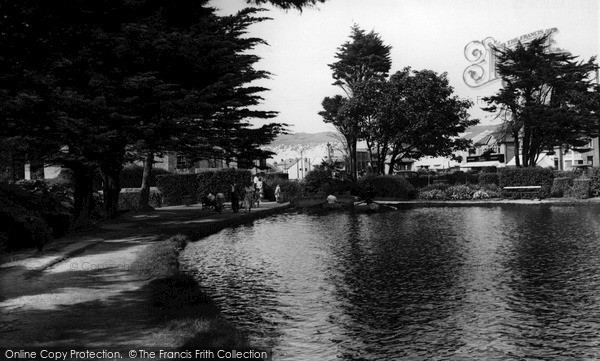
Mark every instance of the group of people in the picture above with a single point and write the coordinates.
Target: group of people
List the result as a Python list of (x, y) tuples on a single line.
[(249, 195)]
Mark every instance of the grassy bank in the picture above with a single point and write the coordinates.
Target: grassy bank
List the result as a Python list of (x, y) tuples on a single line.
[(188, 317)]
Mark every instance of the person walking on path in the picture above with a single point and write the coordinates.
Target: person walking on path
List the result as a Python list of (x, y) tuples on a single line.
[(278, 193), (259, 187), (248, 197), (235, 198)]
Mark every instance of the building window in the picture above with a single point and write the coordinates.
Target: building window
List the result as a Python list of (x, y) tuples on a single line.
[(182, 162), (472, 151), (590, 159)]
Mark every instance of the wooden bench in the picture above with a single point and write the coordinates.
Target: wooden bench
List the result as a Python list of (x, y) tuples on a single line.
[(523, 189)]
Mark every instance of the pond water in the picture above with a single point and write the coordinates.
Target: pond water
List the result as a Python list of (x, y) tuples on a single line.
[(445, 283)]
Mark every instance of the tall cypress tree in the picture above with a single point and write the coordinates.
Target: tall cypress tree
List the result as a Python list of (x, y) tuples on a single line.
[(540, 101)]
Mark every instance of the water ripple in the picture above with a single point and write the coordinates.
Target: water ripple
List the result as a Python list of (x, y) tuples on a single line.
[(489, 283)]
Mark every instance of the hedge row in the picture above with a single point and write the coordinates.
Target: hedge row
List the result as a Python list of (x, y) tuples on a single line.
[(129, 198), (511, 177), (388, 186), (32, 213), (180, 189)]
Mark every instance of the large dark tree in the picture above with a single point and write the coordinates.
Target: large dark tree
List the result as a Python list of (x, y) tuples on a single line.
[(83, 83), (363, 58), (541, 101), (288, 4), (421, 116)]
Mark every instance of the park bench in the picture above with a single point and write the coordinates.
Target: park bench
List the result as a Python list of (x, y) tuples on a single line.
[(533, 190)]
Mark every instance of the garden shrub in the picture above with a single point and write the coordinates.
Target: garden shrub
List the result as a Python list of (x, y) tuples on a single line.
[(580, 188), (270, 181), (318, 180), (560, 186), (481, 194), (594, 175), (131, 176), (492, 190), (290, 189), (461, 177), (129, 198), (527, 177), (460, 192), (389, 186), (565, 174), (177, 189), (24, 218), (420, 181), (435, 186), (220, 181), (432, 194), (488, 178)]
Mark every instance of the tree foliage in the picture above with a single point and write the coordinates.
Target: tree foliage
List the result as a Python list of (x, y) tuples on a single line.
[(420, 116), (89, 84), (543, 101), (288, 4), (361, 59)]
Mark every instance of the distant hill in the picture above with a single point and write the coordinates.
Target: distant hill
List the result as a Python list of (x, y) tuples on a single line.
[(305, 138), (308, 145)]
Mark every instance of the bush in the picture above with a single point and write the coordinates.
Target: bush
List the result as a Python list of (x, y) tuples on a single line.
[(318, 180), (594, 175), (129, 198), (560, 186), (289, 189), (432, 194), (270, 181), (389, 186), (179, 189), (580, 188), (488, 178), (131, 176), (460, 192), (461, 177), (481, 194), (220, 181), (492, 190), (527, 177), (23, 219)]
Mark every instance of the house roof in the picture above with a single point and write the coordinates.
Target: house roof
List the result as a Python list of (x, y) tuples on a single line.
[(487, 134)]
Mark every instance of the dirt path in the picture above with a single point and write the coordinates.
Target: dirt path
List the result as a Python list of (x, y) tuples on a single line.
[(86, 292)]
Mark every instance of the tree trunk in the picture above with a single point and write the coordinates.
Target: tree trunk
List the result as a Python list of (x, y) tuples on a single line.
[(144, 204), (392, 163), (83, 196), (353, 160), (517, 151), (111, 187)]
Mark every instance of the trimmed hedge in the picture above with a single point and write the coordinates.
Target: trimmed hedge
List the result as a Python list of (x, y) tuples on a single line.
[(527, 177), (30, 215), (460, 192), (594, 175), (290, 189), (177, 189), (389, 186), (131, 176), (560, 186), (129, 198), (580, 188), (186, 189), (489, 178)]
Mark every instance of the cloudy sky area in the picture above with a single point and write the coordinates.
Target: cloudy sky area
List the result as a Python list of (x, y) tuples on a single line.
[(424, 34)]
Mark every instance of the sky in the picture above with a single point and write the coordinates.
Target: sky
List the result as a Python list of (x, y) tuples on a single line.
[(423, 34)]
